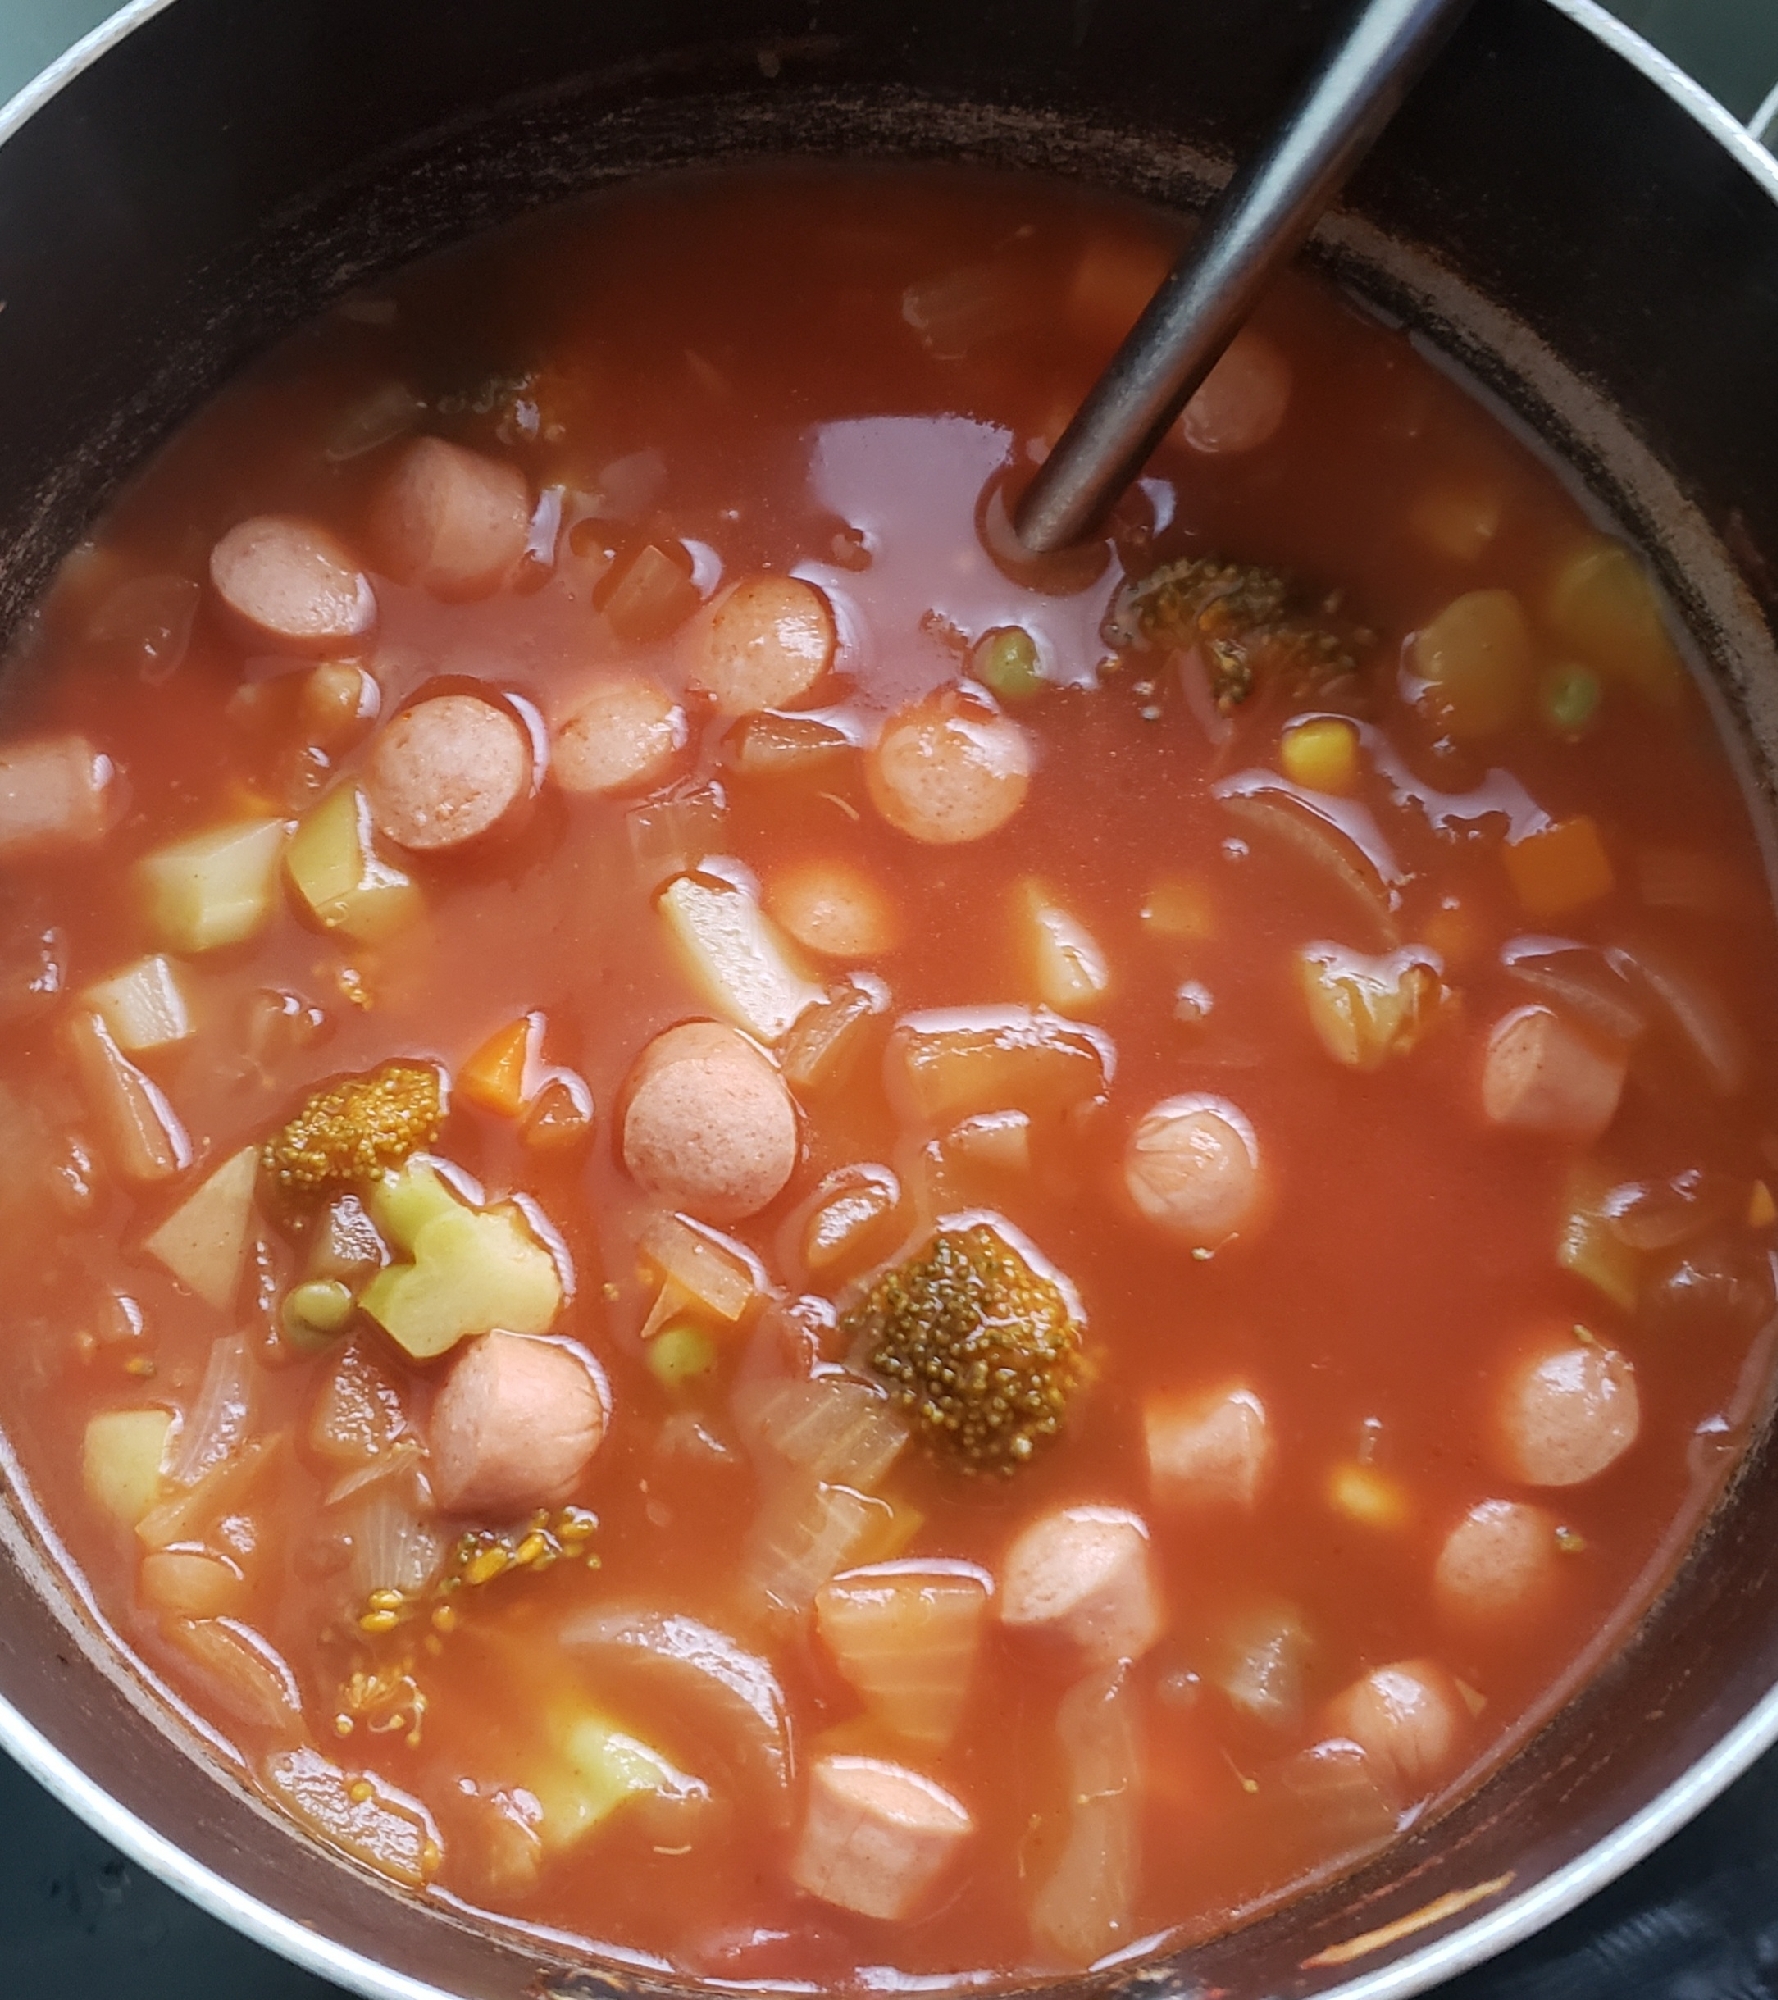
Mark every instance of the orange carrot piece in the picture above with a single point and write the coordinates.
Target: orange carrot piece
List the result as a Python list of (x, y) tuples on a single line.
[(1560, 867), (495, 1076)]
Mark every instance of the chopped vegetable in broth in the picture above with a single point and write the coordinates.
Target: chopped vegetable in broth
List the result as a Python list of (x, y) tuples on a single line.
[(759, 1237)]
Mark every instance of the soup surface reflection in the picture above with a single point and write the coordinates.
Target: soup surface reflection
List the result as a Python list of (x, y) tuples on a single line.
[(734, 1233)]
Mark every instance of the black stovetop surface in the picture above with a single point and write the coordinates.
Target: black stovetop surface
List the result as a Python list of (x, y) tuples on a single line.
[(1697, 1921)]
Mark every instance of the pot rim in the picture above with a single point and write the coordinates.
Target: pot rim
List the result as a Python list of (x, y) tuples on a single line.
[(1471, 1942)]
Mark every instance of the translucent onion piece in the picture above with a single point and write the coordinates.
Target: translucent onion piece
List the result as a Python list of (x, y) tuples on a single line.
[(1581, 979), (907, 1636), (1363, 867), (1328, 1804), (805, 1533), (394, 1545), (1694, 1009), (674, 833), (1086, 1907), (944, 1067), (244, 1672), (714, 1270), (363, 1817), (713, 1681), (187, 1514), (1265, 1658), (222, 1416), (833, 1428)]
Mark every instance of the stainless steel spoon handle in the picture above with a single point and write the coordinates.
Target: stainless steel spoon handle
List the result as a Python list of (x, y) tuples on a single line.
[(1259, 220)]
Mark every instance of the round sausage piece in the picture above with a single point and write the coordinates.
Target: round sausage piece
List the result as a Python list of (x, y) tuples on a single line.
[(449, 520), (1241, 402), (1543, 1074), (1408, 1718), (621, 734), (949, 768), (446, 771), (292, 583), (709, 1125), (764, 644), (1193, 1166), (1567, 1410), (515, 1424), (1498, 1561), (1086, 1575), (833, 908)]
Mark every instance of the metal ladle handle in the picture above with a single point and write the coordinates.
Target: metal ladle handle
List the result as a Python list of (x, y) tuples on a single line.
[(1260, 219)]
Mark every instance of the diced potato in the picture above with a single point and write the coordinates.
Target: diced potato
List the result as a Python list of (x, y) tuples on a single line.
[(214, 889), (596, 1768), (144, 1005), (1367, 1496), (735, 956), (495, 1076), (1601, 606), (340, 879), (1365, 1010), (473, 1269), (1559, 868), (1179, 909), (123, 1462), (1476, 660), (1320, 753), (1454, 520), (204, 1241), (1068, 970), (1588, 1246)]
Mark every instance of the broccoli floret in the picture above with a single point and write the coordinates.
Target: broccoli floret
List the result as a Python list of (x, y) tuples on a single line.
[(979, 1349), (355, 1130), (1245, 621)]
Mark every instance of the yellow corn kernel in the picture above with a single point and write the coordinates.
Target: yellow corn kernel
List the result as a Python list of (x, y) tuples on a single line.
[(1762, 1210), (1177, 909), (1321, 753), (1367, 1496), (483, 1568), (444, 1619), (378, 1621), (529, 1550)]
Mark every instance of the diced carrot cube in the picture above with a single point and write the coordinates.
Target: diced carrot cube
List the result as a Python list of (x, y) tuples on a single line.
[(494, 1077), (1560, 867)]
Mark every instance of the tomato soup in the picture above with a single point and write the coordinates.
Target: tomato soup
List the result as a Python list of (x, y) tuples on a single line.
[(739, 1230)]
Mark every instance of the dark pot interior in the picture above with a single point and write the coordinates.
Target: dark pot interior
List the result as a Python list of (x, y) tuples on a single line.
[(1555, 221)]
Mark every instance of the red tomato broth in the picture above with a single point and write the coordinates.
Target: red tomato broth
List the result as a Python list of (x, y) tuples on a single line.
[(1408, 1251)]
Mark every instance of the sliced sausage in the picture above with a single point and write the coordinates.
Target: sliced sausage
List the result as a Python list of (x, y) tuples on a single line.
[(291, 583), (623, 733), (764, 644), (1242, 401), (1567, 1410), (446, 771), (949, 768), (710, 1125), (1543, 1074), (55, 792), (876, 1836), (1193, 1166), (833, 908), (1207, 1450), (449, 520), (1086, 1575), (1498, 1561), (515, 1424), (1409, 1719)]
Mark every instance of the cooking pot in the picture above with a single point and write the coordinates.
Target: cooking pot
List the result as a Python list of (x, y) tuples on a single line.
[(1556, 211)]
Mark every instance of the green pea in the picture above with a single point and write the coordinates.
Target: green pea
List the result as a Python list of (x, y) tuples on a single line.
[(679, 1355), (1005, 662), (1570, 697), (315, 1312)]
